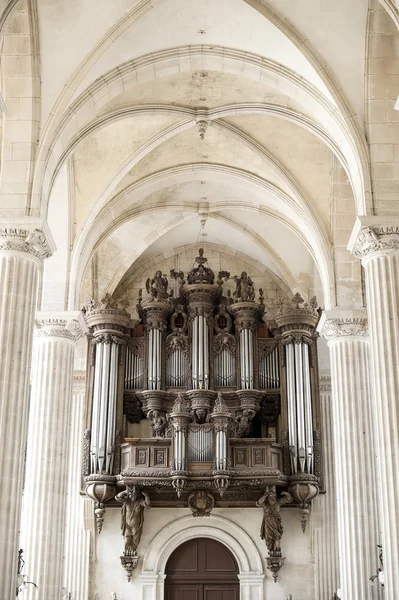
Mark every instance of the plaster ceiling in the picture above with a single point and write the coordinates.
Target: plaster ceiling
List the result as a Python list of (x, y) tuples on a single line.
[(262, 173)]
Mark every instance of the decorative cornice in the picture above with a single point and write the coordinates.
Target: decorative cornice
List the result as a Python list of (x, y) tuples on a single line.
[(344, 327), (325, 383), (107, 315), (376, 240), (32, 242), (296, 314), (58, 326)]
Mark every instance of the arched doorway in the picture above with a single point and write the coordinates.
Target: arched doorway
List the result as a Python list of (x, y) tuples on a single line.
[(202, 569)]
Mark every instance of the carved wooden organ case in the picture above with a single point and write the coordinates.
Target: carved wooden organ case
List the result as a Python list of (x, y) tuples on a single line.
[(232, 401)]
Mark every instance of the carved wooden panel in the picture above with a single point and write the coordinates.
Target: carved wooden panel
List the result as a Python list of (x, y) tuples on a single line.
[(142, 457), (240, 457), (258, 457)]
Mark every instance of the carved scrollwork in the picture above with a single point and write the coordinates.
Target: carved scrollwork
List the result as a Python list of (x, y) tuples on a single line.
[(222, 315), (136, 346), (224, 341), (201, 503), (176, 342), (265, 349)]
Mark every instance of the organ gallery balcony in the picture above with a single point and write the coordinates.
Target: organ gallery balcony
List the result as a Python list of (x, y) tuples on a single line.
[(159, 465)]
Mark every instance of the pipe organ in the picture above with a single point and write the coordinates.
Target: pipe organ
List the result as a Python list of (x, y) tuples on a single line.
[(232, 402)]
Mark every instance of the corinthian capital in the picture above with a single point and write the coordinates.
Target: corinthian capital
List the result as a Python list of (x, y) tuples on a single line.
[(374, 236), (343, 324), (36, 242), (59, 325)]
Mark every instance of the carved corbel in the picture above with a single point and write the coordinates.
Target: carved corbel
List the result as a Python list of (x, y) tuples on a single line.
[(271, 530), (133, 501)]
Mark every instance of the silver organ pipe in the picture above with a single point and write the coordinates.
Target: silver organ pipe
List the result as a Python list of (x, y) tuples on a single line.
[(246, 358), (206, 352), (292, 428), (251, 358), (200, 353), (194, 350), (149, 356), (308, 407), (111, 421), (269, 370), (103, 408), (224, 371), (96, 406), (134, 370), (300, 406), (299, 398), (102, 447)]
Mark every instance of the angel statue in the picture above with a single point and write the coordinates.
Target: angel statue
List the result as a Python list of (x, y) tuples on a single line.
[(244, 288), (134, 501), (271, 529), (157, 287)]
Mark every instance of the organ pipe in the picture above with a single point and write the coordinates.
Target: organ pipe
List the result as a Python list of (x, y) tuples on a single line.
[(200, 353)]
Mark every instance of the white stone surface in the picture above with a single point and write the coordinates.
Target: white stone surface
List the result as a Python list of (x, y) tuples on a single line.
[(379, 248), (354, 449), (324, 512), (45, 499), (19, 275), (296, 577), (77, 537)]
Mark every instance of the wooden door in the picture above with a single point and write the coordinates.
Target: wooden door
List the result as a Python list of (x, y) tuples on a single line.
[(201, 569)]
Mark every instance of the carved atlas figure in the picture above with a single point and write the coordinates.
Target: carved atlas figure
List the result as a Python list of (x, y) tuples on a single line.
[(271, 529), (134, 501)]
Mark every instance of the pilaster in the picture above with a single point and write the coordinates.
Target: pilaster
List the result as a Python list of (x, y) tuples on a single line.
[(77, 538), (354, 448), (21, 254), (45, 499), (376, 242), (325, 533)]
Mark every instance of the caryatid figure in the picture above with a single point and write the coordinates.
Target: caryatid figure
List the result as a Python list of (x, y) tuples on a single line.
[(134, 502)]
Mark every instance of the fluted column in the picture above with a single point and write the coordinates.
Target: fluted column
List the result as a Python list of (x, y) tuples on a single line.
[(77, 538), (378, 247), (45, 500), (21, 255), (326, 530), (354, 447)]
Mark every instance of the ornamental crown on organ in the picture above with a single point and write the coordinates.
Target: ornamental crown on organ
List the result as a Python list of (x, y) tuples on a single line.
[(233, 407)]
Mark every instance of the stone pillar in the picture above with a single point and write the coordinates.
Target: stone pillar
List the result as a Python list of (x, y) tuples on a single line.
[(77, 538), (378, 247), (21, 255), (354, 448), (326, 529), (45, 500)]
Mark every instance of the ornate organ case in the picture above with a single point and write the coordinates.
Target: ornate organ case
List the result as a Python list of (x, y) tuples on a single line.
[(231, 401)]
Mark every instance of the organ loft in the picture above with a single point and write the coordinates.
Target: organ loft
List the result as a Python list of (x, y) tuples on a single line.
[(200, 403)]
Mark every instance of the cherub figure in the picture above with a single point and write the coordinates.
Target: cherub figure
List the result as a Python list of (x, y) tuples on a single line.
[(271, 529), (157, 287), (134, 501)]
